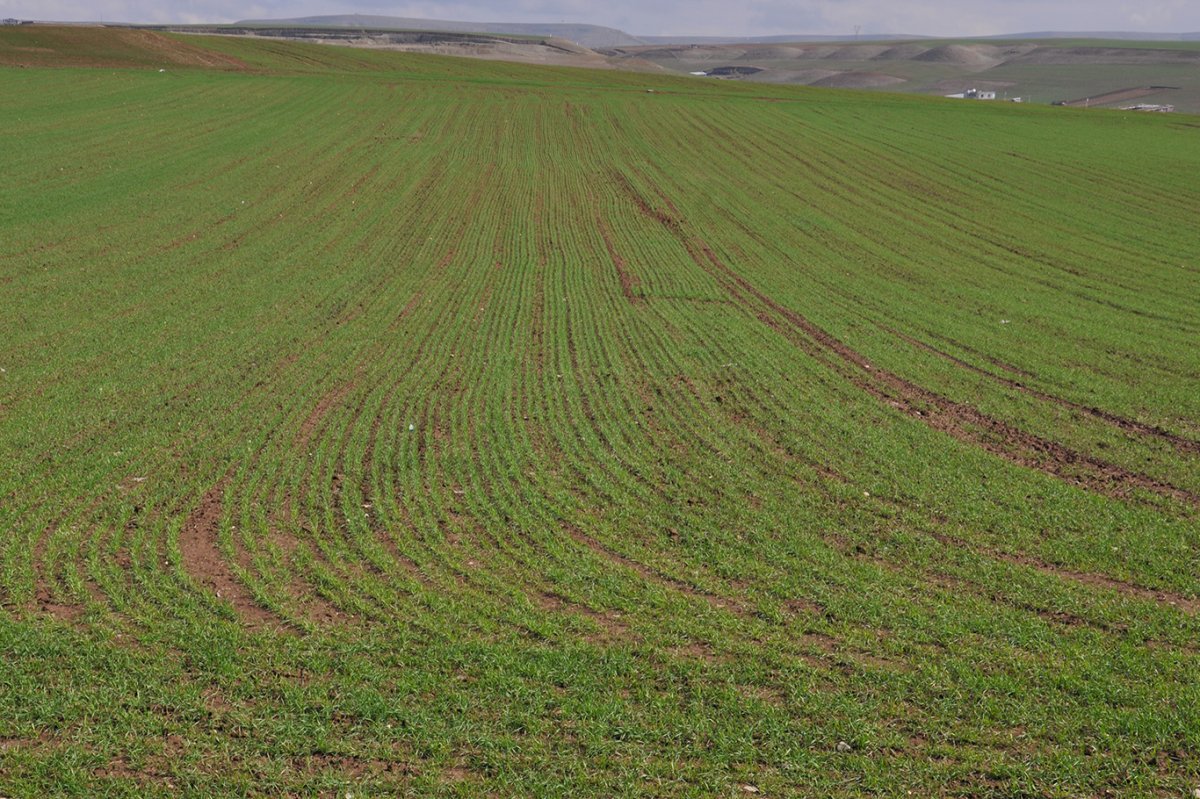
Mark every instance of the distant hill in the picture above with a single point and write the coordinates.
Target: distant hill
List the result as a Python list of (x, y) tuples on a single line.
[(901, 37), (1118, 35), (784, 39), (598, 36), (586, 35), (1041, 69)]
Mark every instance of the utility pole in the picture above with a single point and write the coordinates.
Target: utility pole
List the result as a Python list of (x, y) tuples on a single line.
[(857, 29)]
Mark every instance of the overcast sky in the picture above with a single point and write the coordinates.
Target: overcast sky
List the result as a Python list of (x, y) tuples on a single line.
[(694, 17)]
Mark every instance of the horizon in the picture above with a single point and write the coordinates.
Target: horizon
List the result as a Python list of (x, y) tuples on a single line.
[(674, 18)]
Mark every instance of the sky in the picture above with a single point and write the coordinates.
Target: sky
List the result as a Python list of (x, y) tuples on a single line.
[(688, 17)]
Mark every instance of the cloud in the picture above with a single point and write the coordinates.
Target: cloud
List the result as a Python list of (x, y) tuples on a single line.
[(716, 17)]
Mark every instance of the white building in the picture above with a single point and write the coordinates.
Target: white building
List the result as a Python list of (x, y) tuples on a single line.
[(974, 94)]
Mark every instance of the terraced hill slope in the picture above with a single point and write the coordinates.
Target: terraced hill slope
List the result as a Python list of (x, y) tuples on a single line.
[(377, 424)]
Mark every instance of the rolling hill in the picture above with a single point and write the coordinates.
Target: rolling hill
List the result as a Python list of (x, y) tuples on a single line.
[(1044, 70), (586, 35)]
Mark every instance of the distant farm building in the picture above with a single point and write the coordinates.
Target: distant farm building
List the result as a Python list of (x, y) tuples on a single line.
[(974, 94)]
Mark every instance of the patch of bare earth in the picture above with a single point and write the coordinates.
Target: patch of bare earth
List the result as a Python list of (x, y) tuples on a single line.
[(959, 420), (1130, 426), (610, 623), (629, 281), (45, 596), (202, 560), (652, 575), (327, 403), (1189, 605)]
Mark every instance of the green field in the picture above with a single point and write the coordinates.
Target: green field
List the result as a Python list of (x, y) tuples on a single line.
[(375, 424)]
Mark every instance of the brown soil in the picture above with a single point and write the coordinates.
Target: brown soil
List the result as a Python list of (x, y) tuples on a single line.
[(44, 594), (652, 575), (354, 767), (697, 650), (609, 621), (1186, 604), (1189, 605), (799, 606), (315, 607), (959, 586), (456, 774), (956, 419), (629, 281), (1130, 426), (47, 597), (202, 559), (330, 400)]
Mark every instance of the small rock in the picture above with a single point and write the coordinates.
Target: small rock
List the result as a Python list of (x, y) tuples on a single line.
[(749, 789), (844, 747)]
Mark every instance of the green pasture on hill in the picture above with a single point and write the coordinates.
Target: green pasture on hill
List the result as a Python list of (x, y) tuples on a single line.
[(385, 425)]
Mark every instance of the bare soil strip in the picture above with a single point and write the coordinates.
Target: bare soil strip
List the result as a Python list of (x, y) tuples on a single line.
[(629, 281), (45, 595), (967, 423), (327, 403), (963, 422), (651, 575), (610, 623), (1183, 445), (203, 561), (1189, 605)]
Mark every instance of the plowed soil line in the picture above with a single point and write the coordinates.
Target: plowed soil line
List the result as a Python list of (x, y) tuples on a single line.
[(963, 422), (1189, 605), (653, 575), (328, 402), (1130, 426), (203, 561), (628, 280)]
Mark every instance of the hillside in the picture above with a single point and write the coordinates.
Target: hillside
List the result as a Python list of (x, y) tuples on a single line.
[(1043, 70), (586, 35), (380, 424)]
